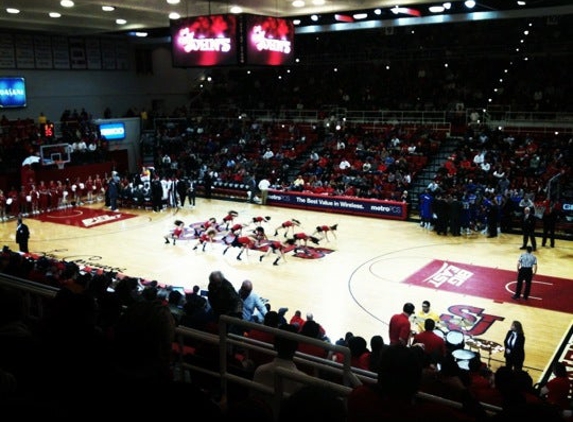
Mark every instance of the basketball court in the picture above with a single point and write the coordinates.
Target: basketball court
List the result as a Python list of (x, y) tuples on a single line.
[(355, 282)]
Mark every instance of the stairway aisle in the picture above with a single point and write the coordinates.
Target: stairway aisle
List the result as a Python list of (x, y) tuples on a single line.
[(428, 174)]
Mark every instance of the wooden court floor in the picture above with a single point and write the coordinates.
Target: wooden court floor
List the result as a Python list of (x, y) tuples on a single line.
[(356, 288)]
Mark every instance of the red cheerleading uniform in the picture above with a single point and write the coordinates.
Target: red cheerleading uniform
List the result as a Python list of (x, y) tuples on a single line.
[(178, 231)]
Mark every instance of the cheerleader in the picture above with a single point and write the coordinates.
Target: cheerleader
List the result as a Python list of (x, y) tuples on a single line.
[(243, 242), (229, 218), (278, 248), (201, 228), (60, 195), (260, 236), (288, 225), (25, 201), (259, 220), (34, 200), (54, 198), (44, 192), (90, 189), (99, 190), (176, 233), (301, 240), (324, 230), (234, 231), (13, 202), (207, 236)]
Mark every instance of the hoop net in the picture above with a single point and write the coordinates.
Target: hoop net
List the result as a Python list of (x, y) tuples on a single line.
[(60, 164)]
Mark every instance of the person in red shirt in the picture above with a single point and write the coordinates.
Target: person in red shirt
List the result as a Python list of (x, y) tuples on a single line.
[(556, 390), (399, 328), (434, 345), (297, 319)]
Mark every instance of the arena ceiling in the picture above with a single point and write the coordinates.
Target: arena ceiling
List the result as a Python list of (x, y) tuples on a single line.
[(87, 17)]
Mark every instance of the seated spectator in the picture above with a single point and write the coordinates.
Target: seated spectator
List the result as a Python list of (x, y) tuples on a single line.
[(377, 347), (312, 403), (556, 390), (297, 319), (392, 398), (254, 309), (265, 374), (271, 319)]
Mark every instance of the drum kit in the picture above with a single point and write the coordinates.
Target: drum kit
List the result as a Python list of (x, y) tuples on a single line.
[(458, 339)]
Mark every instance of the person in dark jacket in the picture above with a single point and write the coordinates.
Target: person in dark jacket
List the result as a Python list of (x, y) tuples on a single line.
[(22, 235), (223, 297), (514, 343)]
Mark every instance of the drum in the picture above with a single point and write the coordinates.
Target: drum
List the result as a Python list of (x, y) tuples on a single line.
[(440, 333), (455, 340), (463, 357)]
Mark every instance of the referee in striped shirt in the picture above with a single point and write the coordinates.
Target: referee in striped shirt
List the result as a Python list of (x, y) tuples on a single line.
[(526, 268)]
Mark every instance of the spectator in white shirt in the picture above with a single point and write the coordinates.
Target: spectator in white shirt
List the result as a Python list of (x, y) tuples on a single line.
[(344, 164), (268, 154)]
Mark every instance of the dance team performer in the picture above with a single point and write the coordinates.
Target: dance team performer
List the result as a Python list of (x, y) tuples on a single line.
[(287, 226), (243, 242), (259, 220), (260, 236), (324, 230), (177, 231), (208, 236), (301, 240), (229, 218), (235, 230), (211, 222), (278, 248)]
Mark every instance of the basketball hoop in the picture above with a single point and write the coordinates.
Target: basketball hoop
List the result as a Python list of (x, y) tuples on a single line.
[(60, 164)]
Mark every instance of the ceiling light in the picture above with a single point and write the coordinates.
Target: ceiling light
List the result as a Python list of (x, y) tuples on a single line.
[(141, 34), (296, 22), (521, 3), (314, 18), (174, 16), (318, 2), (377, 11), (12, 11), (470, 4), (436, 9), (120, 21), (359, 16), (173, 1), (54, 15), (108, 8), (67, 3), (236, 9), (298, 3), (447, 6)]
